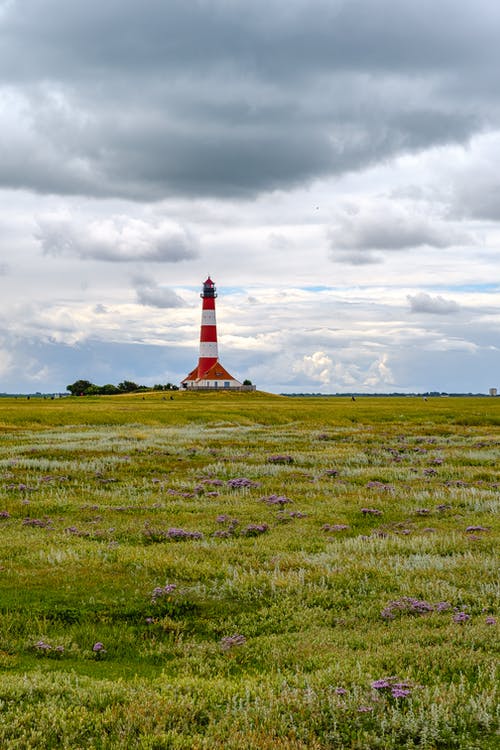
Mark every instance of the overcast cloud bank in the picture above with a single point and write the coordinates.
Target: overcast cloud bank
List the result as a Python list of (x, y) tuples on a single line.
[(331, 163)]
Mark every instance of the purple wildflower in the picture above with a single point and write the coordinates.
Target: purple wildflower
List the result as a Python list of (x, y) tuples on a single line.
[(461, 617), (160, 592), (375, 485), (280, 500), (279, 459), (365, 709), (4, 514), (204, 483), (340, 691), (334, 527), (490, 620), (212, 482), (98, 649), (178, 534), (42, 523), (42, 647), (392, 687), (472, 529), (241, 482), (255, 529), (230, 641), (371, 512), (382, 684), (226, 533), (399, 692), (406, 605)]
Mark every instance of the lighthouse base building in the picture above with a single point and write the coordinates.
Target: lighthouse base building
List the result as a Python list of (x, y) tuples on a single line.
[(215, 377), (209, 373)]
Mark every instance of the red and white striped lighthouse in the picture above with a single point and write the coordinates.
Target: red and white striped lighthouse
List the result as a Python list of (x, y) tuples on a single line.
[(208, 331), (209, 372)]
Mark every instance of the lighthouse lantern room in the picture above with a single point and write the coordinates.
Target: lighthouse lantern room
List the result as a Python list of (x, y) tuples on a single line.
[(209, 373)]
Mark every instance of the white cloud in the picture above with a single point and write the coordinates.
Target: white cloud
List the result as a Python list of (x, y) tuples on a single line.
[(317, 367), (379, 374), (116, 239)]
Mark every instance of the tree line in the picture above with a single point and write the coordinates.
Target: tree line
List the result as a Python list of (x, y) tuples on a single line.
[(86, 388)]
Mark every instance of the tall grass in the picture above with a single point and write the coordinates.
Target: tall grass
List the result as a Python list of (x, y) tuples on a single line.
[(248, 571)]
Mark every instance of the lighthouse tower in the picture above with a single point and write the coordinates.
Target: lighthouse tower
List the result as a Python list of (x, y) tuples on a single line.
[(209, 372)]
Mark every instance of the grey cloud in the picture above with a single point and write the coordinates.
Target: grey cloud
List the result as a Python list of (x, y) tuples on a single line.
[(424, 303), (479, 201), (153, 99), (357, 258), (387, 225), (118, 239), (262, 35), (152, 294), (278, 241), (477, 187)]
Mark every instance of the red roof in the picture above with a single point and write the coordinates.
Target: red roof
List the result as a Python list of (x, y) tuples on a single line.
[(215, 372), (193, 375)]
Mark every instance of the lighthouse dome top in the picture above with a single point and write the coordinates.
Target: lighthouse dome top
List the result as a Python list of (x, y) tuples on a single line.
[(208, 289)]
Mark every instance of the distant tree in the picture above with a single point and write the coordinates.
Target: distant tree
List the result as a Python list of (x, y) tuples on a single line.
[(127, 386), (80, 387), (93, 390), (86, 388), (247, 382), (109, 390)]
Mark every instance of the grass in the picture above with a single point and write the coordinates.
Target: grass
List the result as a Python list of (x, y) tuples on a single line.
[(359, 544)]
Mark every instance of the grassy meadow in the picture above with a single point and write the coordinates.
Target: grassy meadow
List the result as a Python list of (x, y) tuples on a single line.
[(249, 572)]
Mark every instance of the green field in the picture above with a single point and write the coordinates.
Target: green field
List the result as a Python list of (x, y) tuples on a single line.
[(248, 571)]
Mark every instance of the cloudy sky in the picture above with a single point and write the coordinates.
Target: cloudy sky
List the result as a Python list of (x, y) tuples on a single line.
[(333, 164)]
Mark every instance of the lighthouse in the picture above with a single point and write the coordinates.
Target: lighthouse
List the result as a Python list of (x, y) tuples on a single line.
[(209, 373)]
